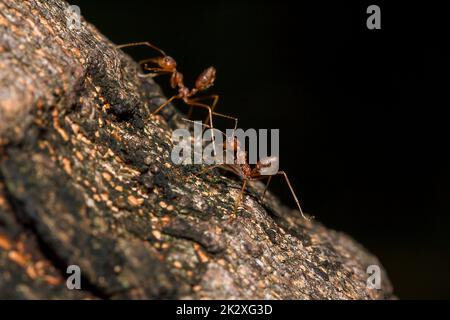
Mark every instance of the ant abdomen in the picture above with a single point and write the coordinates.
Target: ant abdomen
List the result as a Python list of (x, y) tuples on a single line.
[(176, 80), (268, 166), (206, 79)]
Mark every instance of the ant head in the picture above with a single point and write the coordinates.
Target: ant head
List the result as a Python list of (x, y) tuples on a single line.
[(206, 79), (268, 166), (167, 62), (176, 79)]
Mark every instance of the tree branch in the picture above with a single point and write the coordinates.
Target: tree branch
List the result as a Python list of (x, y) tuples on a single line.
[(86, 179)]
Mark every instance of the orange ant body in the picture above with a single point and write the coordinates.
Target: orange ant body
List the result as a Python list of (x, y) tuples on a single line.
[(167, 65), (248, 172)]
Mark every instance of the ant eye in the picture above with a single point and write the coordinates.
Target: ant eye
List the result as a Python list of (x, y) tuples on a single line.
[(169, 62)]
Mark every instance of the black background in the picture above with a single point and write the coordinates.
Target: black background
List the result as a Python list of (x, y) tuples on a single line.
[(362, 113)]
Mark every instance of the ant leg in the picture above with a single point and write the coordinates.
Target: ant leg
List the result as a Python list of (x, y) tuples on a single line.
[(165, 104), (293, 194), (265, 189), (157, 70), (154, 60), (201, 105), (228, 117), (204, 125), (239, 199), (215, 98), (144, 43)]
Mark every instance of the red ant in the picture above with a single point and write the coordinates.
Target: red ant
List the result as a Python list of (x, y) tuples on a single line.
[(167, 65), (248, 172)]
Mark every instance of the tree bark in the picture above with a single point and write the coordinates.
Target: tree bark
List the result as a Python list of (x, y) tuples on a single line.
[(86, 179)]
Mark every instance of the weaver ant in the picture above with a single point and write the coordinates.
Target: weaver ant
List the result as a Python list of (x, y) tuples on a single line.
[(167, 65), (249, 172)]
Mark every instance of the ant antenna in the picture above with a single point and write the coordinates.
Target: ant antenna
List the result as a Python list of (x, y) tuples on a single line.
[(145, 43)]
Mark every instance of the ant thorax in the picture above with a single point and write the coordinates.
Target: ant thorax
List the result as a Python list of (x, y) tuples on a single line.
[(176, 80), (240, 162)]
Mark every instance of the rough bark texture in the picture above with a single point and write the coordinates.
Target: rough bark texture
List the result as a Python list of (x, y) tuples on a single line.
[(86, 179)]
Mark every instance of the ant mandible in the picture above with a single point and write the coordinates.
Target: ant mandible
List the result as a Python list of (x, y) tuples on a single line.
[(248, 172), (167, 65)]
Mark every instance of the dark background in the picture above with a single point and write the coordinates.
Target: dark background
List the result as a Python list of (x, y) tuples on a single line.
[(362, 113)]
